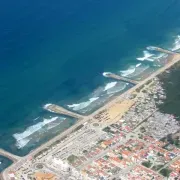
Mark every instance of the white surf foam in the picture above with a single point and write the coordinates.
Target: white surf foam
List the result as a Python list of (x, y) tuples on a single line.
[(137, 65), (129, 71), (110, 85), (176, 44), (22, 138), (146, 56), (161, 55), (141, 69), (77, 107), (47, 105), (118, 89), (105, 74), (22, 143), (36, 118)]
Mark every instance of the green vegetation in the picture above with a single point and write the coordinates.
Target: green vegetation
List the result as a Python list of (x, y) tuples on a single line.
[(159, 154), (176, 142), (85, 151), (100, 141), (148, 82), (78, 128), (39, 166), (172, 140), (165, 172), (129, 149), (40, 152), (72, 158), (139, 89), (58, 141), (115, 170), (120, 157), (156, 168), (147, 164), (133, 96), (142, 129), (108, 130), (106, 157), (172, 102), (140, 136)]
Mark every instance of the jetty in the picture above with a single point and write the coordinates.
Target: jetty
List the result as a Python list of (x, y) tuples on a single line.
[(112, 107), (60, 110), (10, 156), (153, 48), (117, 77)]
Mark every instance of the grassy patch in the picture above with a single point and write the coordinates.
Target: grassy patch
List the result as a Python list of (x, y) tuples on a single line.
[(147, 164), (156, 168), (72, 158), (165, 172)]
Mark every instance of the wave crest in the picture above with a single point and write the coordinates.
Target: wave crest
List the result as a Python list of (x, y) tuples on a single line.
[(118, 89), (129, 71), (110, 85), (22, 139), (176, 45), (77, 107), (146, 56)]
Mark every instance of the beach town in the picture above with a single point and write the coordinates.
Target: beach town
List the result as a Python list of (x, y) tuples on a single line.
[(121, 140)]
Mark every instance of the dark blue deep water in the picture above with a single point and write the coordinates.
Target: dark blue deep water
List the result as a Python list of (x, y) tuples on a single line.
[(55, 51)]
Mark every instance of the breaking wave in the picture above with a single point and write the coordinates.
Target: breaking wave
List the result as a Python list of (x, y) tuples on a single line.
[(116, 90), (77, 107), (110, 85), (141, 69), (22, 139), (176, 45), (137, 65), (129, 71), (135, 70), (161, 55), (105, 74), (146, 56), (98, 97)]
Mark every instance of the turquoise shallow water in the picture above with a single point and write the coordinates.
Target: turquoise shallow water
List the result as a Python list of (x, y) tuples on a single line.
[(56, 52)]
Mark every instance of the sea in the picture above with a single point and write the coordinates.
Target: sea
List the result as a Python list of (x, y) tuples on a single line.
[(57, 51), (4, 163)]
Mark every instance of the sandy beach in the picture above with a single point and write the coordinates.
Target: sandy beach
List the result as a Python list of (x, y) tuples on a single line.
[(116, 107)]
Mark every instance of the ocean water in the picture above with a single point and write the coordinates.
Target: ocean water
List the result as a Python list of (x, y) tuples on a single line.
[(56, 52), (4, 163)]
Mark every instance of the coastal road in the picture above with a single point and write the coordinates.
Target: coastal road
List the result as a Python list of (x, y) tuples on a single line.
[(166, 165), (175, 59), (106, 151), (10, 156)]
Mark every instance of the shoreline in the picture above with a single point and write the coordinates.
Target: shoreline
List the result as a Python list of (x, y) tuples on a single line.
[(173, 59)]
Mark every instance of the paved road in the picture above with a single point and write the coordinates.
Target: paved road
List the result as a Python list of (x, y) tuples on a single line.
[(105, 151), (10, 156), (176, 158), (174, 60)]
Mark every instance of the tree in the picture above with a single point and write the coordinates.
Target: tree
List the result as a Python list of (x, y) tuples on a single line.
[(165, 172), (147, 164)]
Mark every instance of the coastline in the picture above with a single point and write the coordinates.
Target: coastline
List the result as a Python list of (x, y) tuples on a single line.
[(174, 59)]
